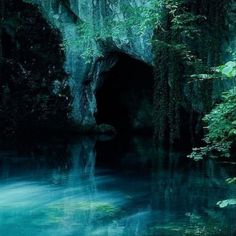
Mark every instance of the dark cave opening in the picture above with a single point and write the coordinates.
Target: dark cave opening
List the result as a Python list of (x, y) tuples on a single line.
[(124, 98)]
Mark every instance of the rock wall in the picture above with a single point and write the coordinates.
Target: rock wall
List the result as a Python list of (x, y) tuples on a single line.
[(99, 38), (34, 96), (84, 72)]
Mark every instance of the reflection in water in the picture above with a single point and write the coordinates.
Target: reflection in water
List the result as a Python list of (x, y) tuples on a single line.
[(55, 189)]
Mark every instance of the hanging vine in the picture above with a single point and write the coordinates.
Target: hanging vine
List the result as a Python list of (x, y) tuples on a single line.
[(188, 41)]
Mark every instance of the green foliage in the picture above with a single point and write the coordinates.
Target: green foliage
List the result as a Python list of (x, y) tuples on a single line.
[(221, 128), (186, 45), (135, 19), (228, 69), (231, 180), (174, 60), (228, 202), (220, 122)]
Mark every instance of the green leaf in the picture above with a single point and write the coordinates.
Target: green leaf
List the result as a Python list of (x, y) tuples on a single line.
[(226, 203)]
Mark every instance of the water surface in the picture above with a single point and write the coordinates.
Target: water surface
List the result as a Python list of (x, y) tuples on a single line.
[(87, 187)]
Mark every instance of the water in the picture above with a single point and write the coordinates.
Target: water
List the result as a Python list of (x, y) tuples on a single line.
[(87, 187)]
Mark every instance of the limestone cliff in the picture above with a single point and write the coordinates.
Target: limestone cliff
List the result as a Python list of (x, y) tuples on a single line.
[(96, 15), (93, 32)]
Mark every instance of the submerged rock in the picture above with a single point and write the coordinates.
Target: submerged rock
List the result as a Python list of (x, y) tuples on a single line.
[(105, 129)]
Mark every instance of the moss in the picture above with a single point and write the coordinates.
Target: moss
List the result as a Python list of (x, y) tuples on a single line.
[(55, 213)]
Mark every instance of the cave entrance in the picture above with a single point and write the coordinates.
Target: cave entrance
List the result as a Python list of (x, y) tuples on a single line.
[(124, 97)]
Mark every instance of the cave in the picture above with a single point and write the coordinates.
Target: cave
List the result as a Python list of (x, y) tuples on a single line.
[(124, 97)]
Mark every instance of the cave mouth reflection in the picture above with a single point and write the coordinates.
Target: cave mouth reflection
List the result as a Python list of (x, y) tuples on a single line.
[(124, 97)]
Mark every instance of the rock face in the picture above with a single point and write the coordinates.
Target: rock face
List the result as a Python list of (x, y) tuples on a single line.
[(79, 23), (93, 32), (33, 91)]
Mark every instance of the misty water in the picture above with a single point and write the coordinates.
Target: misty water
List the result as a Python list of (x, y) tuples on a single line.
[(88, 187)]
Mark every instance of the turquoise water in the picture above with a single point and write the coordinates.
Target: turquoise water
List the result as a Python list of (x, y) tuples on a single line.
[(109, 188)]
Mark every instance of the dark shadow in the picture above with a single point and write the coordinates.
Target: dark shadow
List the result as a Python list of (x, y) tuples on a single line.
[(124, 99)]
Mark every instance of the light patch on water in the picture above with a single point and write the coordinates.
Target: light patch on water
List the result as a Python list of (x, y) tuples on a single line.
[(65, 209), (74, 198)]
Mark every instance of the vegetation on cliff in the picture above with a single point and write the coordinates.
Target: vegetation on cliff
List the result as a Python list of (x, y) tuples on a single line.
[(188, 42), (220, 123)]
